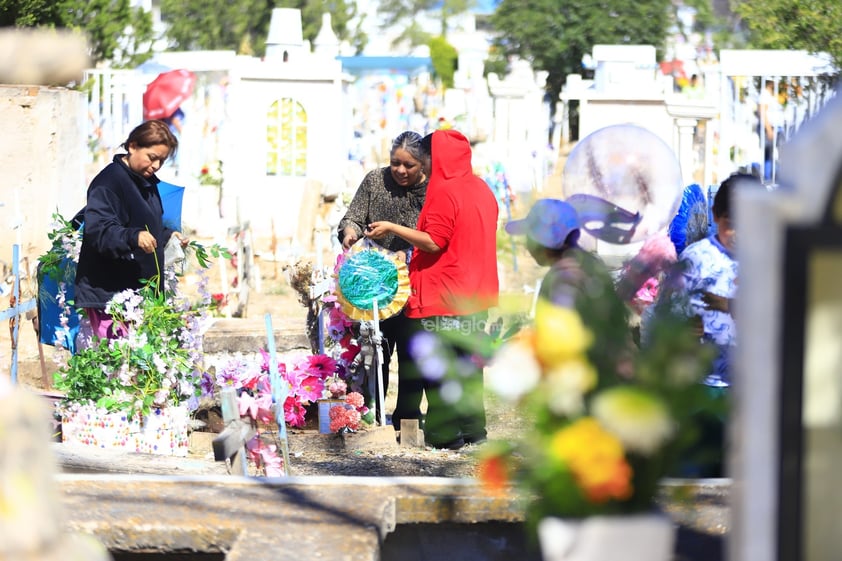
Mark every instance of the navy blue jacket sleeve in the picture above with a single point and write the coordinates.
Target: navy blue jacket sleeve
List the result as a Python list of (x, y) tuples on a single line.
[(104, 218)]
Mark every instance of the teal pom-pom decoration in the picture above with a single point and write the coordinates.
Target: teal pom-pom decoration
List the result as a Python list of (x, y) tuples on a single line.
[(367, 276)]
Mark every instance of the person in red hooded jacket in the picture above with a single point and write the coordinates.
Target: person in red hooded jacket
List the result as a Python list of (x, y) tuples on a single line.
[(453, 280)]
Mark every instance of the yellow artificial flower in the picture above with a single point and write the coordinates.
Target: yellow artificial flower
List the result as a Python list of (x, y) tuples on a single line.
[(560, 334), (639, 419), (596, 459)]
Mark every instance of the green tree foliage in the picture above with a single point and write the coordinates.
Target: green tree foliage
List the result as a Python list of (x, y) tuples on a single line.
[(242, 25), (814, 25), (403, 13), (117, 33), (30, 13), (554, 35), (216, 24), (443, 56)]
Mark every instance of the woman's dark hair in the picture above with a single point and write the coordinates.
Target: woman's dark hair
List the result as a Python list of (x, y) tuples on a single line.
[(427, 145), (152, 133), (411, 142)]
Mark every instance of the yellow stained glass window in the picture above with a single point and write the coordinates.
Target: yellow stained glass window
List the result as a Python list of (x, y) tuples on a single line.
[(286, 138)]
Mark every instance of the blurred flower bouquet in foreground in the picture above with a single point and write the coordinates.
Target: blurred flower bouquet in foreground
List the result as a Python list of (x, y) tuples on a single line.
[(603, 426)]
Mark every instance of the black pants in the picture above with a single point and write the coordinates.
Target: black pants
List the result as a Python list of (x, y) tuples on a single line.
[(436, 364)]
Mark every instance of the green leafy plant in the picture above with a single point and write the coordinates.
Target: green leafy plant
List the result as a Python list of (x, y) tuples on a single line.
[(65, 244), (203, 254)]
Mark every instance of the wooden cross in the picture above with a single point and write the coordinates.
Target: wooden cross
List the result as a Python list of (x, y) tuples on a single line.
[(15, 311)]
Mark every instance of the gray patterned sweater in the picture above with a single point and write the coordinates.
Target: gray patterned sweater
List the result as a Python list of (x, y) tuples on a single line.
[(380, 198)]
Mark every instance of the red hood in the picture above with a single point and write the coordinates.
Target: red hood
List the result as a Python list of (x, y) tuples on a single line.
[(451, 156)]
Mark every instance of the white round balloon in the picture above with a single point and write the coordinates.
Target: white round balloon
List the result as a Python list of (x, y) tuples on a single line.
[(630, 167)]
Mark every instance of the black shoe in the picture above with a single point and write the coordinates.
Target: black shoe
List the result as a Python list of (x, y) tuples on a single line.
[(475, 439), (452, 445)]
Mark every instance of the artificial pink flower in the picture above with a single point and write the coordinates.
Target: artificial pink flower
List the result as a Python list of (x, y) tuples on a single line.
[(350, 349), (340, 259), (342, 417), (298, 373), (294, 412), (321, 366), (338, 418), (264, 383), (250, 379), (353, 417), (266, 359), (646, 295), (273, 465), (265, 413), (654, 257), (354, 399), (247, 405), (265, 456), (336, 317), (337, 424), (337, 388), (310, 389)]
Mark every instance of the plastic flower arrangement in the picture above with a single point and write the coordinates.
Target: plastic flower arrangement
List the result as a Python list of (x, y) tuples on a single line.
[(157, 360), (603, 427), (347, 417), (65, 244), (308, 379), (341, 342), (56, 276), (155, 363)]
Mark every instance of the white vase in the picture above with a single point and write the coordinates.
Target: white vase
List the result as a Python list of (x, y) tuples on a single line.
[(638, 537)]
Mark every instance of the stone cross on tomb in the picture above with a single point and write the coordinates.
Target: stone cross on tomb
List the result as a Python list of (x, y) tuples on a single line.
[(786, 427)]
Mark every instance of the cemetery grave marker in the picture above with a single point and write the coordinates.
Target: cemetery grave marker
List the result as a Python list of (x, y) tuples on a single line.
[(786, 423)]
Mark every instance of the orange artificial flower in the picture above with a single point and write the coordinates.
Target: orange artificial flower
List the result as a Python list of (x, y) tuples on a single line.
[(596, 458), (493, 474)]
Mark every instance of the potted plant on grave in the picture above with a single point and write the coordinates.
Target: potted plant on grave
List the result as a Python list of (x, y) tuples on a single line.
[(603, 428)]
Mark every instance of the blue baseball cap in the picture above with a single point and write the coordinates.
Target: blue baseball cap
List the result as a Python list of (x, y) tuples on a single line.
[(549, 222)]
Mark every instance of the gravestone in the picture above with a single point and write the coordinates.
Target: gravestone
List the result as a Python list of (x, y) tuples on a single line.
[(31, 516), (786, 428)]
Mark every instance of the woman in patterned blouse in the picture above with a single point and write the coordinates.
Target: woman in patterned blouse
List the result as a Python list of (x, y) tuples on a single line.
[(395, 193)]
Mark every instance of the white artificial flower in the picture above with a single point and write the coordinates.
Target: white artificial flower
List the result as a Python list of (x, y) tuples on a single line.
[(514, 371), (567, 385)]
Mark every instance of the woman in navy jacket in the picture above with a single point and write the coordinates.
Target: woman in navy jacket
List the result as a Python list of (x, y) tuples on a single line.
[(124, 234)]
